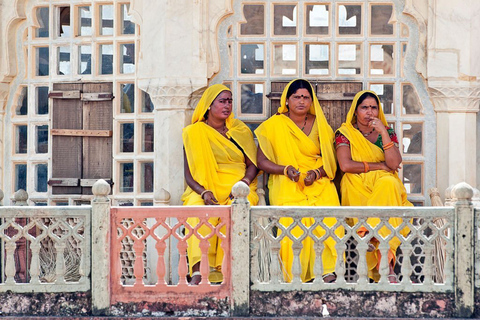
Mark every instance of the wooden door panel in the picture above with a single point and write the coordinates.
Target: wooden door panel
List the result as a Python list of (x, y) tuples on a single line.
[(81, 136), (66, 150), (98, 115)]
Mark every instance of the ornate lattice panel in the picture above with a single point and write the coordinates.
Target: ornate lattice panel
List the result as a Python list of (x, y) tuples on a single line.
[(419, 249)]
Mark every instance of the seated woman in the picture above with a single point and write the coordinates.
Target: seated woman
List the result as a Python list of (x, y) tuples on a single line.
[(296, 149), (219, 151), (367, 152)]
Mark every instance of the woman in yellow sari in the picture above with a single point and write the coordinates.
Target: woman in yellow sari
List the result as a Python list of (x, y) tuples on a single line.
[(296, 149), (219, 151), (367, 151)]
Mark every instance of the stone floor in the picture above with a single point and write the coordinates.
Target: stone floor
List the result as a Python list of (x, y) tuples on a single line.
[(213, 318)]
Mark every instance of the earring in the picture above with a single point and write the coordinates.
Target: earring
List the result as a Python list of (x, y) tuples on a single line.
[(208, 108)]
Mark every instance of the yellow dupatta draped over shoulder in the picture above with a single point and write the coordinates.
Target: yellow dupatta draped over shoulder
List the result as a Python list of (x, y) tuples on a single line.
[(357, 188), (216, 163), (374, 188), (284, 143)]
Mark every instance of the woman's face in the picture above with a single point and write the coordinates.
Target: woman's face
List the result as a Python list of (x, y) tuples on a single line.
[(300, 102), (367, 110), (221, 107)]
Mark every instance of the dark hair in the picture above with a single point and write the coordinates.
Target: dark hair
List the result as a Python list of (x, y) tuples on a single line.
[(299, 84), (364, 96)]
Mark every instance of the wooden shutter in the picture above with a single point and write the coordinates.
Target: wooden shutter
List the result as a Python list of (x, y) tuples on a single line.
[(335, 98), (82, 121)]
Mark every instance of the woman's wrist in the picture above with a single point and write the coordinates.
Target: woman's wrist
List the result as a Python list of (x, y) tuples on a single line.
[(204, 192), (246, 180)]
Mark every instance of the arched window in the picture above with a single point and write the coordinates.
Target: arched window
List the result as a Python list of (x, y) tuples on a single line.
[(341, 47), (78, 114)]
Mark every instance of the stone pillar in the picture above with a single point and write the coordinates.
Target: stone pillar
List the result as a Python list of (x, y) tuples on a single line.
[(240, 246), (100, 275), (456, 108), (452, 79), (172, 105), (464, 250)]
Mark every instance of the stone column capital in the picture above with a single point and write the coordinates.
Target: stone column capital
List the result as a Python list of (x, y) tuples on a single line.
[(173, 94), (455, 97)]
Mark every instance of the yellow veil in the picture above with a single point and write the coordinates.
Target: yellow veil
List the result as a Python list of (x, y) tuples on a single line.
[(356, 138), (237, 130), (325, 131)]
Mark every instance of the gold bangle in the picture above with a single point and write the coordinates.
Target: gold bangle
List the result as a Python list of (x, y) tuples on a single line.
[(366, 167), (285, 170), (204, 191), (246, 180)]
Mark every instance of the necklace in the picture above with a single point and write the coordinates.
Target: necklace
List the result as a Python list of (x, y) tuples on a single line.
[(365, 134), (304, 124), (222, 131)]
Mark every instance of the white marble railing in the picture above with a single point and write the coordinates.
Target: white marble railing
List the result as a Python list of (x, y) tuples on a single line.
[(430, 234), (46, 249), (56, 242)]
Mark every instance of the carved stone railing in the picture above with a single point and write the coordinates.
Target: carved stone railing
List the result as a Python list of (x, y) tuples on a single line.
[(250, 239), (144, 227), (46, 249), (414, 274)]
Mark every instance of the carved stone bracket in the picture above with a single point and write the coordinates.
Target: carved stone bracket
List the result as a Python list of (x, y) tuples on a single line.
[(174, 96), (455, 98)]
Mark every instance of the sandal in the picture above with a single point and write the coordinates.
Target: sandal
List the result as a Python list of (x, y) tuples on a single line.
[(329, 277), (196, 278), (392, 278)]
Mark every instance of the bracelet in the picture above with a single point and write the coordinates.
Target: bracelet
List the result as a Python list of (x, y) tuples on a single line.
[(204, 191), (285, 170), (388, 145), (317, 171), (246, 180), (366, 167)]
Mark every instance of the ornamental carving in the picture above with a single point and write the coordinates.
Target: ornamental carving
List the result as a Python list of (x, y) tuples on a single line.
[(455, 98), (421, 62)]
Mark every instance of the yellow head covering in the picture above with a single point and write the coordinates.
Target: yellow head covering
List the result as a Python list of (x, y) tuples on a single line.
[(206, 101), (324, 130), (351, 118), (237, 130), (361, 148)]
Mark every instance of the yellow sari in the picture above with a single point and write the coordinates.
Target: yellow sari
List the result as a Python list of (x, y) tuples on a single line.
[(374, 188), (216, 163), (283, 143)]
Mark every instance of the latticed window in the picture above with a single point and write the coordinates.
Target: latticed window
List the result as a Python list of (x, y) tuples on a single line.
[(78, 114), (341, 47)]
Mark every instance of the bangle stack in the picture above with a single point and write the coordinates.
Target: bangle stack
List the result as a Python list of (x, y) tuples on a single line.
[(203, 192), (318, 174), (246, 180), (366, 167), (388, 146)]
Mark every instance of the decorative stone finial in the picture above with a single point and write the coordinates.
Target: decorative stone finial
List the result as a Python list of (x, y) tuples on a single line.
[(101, 189), (162, 197), (462, 190), (240, 190), (20, 197)]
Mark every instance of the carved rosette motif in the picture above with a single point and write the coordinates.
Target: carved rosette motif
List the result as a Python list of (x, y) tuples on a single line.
[(455, 98)]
